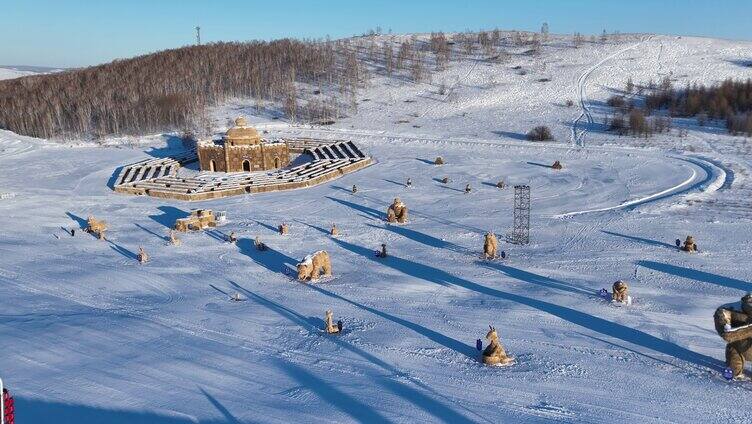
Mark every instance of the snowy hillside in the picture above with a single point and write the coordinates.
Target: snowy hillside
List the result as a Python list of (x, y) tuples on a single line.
[(90, 336)]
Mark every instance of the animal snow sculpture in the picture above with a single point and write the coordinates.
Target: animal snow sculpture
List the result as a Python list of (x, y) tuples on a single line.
[(284, 229), (96, 227), (494, 353), (174, 240), (439, 161), (260, 246), (397, 212), (689, 245), (490, 246), (330, 327), (381, 253), (621, 293), (311, 266), (734, 325), (556, 165), (334, 231), (142, 256)]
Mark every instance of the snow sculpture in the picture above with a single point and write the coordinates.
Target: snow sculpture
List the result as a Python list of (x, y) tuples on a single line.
[(284, 229), (96, 227), (689, 245), (334, 231), (196, 221), (312, 265), (174, 240), (439, 161), (556, 165), (621, 293), (734, 324), (142, 256), (259, 244), (494, 353), (330, 327), (397, 212), (490, 246)]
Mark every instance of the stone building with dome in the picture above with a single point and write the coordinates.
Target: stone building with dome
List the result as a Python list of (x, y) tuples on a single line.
[(242, 149)]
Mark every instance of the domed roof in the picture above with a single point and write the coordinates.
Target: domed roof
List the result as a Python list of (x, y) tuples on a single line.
[(241, 133)]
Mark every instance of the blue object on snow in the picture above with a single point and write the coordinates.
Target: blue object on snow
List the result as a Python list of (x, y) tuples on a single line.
[(479, 344), (728, 374), (603, 293)]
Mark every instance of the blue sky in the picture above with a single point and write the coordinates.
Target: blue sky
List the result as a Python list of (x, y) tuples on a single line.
[(84, 32)]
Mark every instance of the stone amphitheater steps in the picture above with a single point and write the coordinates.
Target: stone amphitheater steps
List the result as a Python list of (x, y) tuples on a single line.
[(158, 177)]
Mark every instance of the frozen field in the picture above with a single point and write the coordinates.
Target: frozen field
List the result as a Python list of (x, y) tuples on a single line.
[(90, 336)]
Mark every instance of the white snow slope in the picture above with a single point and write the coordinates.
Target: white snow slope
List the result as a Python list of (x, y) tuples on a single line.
[(87, 335)]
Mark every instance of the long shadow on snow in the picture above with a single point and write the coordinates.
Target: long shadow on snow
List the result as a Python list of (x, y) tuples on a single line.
[(161, 237), (418, 398), (40, 411), (80, 221), (169, 215), (351, 406), (533, 278), (693, 274), (641, 240), (122, 250), (382, 215), (421, 238), (590, 322), (229, 418), (273, 260)]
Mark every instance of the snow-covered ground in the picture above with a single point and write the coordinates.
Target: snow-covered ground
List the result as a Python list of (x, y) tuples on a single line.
[(8, 73), (89, 335)]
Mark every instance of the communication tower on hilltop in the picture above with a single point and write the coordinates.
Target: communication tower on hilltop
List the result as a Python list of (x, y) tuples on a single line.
[(198, 35)]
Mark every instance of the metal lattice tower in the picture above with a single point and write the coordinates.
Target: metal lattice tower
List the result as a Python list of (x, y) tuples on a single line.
[(521, 232), (198, 35)]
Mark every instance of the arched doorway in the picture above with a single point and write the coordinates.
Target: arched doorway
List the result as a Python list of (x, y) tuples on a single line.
[(246, 166), (276, 162), (212, 165)]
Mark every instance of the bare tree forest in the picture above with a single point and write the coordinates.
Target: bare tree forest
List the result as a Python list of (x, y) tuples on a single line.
[(170, 89)]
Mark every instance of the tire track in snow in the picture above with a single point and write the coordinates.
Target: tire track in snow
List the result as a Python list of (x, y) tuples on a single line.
[(578, 137)]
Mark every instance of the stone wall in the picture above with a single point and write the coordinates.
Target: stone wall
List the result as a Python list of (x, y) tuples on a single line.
[(207, 153)]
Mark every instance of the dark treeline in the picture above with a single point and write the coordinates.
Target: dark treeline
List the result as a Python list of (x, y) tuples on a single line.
[(729, 102), (170, 89)]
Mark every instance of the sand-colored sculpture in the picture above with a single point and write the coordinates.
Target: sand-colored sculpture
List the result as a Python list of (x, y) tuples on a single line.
[(142, 256), (621, 293), (330, 327), (556, 165), (232, 238), (174, 240), (334, 231), (284, 229), (689, 245), (312, 265), (260, 245), (494, 353), (468, 189), (439, 161), (490, 246), (196, 221), (397, 212), (734, 324), (96, 227)]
